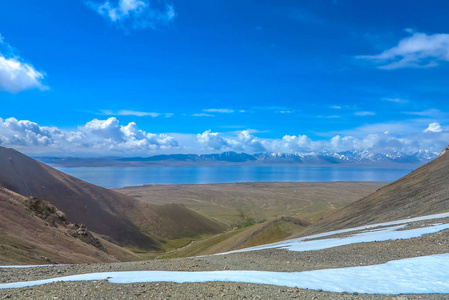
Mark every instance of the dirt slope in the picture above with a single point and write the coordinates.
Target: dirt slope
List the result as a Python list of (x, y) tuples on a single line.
[(26, 237), (422, 192), (175, 221), (122, 218)]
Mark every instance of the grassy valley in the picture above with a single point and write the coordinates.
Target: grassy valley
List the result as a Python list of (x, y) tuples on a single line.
[(255, 213), (235, 203)]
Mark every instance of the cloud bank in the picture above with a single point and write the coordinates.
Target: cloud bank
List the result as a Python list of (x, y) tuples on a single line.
[(108, 137), (434, 138), (417, 51), (104, 137), (134, 14), (15, 74)]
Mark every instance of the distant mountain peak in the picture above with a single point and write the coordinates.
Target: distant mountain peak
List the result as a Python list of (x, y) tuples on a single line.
[(364, 157)]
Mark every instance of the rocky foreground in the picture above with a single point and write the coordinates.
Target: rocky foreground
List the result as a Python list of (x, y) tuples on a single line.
[(103, 290), (359, 254)]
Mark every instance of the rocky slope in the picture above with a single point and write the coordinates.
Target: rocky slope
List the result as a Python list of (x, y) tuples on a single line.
[(34, 231)]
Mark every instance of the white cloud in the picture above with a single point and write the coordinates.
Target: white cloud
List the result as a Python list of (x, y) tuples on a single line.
[(347, 143), (17, 75), (377, 143), (434, 113), (133, 13), (202, 115), (293, 143), (219, 110), (24, 133), (417, 51), (276, 109), (329, 116), (395, 128), (96, 136), (244, 142), (395, 100), (212, 140), (134, 113), (434, 127), (105, 129), (364, 113), (108, 137), (383, 142), (249, 142)]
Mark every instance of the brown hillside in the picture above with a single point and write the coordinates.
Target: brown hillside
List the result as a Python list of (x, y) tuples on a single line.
[(422, 192), (102, 210), (33, 237), (109, 213), (175, 221)]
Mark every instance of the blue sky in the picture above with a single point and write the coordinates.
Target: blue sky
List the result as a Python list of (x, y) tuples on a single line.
[(142, 77)]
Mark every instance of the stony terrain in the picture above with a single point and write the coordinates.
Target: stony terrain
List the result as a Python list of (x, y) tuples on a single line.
[(187, 291), (267, 260)]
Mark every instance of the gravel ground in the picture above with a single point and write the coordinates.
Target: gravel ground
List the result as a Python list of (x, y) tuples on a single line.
[(266, 260), (104, 290)]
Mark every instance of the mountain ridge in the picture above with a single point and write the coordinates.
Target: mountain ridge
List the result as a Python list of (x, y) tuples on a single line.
[(361, 158)]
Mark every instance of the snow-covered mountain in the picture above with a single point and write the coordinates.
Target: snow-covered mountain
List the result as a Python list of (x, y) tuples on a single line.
[(311, 158), (325, 157), (354, 157)]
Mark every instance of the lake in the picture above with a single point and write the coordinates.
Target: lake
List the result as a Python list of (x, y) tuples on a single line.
[(115, 177)]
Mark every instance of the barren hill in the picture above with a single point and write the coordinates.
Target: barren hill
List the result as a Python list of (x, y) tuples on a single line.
[(117, 216), (424, 191), (26, 236)]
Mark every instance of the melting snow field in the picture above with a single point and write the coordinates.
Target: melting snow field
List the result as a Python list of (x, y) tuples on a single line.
[(371, 233), (419, 275)]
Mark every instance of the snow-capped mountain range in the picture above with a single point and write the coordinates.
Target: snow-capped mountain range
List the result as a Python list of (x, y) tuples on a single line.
[(357, 157), (311, 158)]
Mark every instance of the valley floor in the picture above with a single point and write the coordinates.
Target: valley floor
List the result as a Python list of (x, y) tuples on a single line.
[(272, 259)]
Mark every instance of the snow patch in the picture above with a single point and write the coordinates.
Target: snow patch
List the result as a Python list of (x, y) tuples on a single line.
[(386, 231), (419, 275)]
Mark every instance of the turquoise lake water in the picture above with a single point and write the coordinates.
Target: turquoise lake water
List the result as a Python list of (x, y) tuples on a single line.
[(114, 177)]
